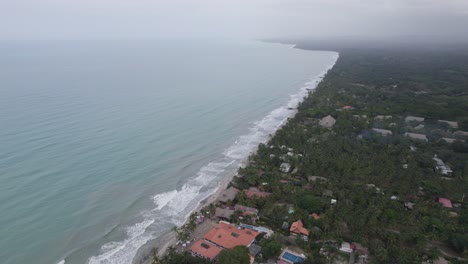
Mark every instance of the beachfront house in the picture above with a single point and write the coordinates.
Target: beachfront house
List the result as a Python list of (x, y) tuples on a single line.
[(285, 167), (205, 249), (227, 236), (327, 122), (228, 195), (452, 124)]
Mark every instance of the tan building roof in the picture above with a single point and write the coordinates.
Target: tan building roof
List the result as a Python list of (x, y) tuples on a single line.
[(327, 121), (228, 194), (461, 133), (416, 136)]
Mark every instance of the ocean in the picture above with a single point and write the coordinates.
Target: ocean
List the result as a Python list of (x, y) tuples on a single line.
[(106, 145)]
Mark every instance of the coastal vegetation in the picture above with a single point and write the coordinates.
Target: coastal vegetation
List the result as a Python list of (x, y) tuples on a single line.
[(351, 181)]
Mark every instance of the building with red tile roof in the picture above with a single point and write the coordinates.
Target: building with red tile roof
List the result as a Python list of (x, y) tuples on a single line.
[(445, 202), (228, 236), (297, 228), (255, 193), (205, 249)]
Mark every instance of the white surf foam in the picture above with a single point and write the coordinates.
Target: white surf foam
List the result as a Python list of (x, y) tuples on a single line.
[(62, 262), (175, 206)]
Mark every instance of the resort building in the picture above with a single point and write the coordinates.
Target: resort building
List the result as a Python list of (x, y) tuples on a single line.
[(227, 236), (205, 249)]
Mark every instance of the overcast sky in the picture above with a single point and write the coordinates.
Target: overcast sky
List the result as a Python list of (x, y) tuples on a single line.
[(84, 19)]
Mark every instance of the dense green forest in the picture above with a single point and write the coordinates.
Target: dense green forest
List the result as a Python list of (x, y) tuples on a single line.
[(372, 176)]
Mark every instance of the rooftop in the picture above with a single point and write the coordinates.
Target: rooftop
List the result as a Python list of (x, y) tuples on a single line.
[(445, 202), (228, 236), (246, 209), (416, 136), (228, 194), (223, 213), (253, 192), (327, 121), (205, 249), (414, 118), (383, 132), (452, 124), (298, 228)]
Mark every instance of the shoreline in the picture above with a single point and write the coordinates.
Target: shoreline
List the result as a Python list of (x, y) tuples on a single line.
[(167, 240)]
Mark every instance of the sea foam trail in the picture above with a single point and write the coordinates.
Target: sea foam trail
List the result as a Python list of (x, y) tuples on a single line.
[(174, 207)]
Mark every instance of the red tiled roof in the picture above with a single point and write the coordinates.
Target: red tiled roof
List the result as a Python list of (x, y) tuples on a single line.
[(228, 236), (445, 202), (254, 192), (298, 228), (205, 249)]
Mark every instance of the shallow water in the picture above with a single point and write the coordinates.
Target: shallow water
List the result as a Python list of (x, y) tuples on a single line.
[(106, 145)]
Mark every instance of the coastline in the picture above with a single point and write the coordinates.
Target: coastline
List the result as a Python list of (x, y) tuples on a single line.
[(168, 240)]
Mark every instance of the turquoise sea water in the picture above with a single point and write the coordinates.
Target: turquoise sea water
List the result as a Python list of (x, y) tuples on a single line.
[(106, 145)]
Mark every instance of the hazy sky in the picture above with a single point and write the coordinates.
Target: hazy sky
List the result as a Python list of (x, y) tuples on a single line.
[(78, 19)]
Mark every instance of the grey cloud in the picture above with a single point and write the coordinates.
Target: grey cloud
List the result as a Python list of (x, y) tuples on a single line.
[(226, 18)]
